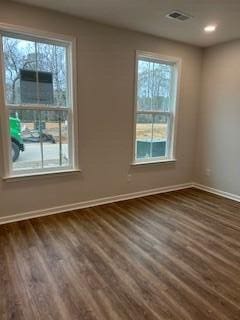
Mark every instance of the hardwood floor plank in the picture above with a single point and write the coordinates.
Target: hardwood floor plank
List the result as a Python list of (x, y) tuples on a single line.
[(199, 267), (128, 273), (161, 261), (173, 256)]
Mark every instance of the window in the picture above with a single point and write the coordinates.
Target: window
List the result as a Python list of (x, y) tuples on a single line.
[(156, 91), (37, 104)]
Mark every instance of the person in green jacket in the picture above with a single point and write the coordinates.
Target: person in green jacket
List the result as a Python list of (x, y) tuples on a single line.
[(16, 137)]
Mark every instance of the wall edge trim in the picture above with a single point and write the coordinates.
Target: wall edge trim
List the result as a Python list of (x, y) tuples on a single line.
[(218, 192), (111, 199), (91, 203)]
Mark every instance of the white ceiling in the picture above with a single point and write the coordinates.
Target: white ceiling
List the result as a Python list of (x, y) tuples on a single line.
[(149, 16)]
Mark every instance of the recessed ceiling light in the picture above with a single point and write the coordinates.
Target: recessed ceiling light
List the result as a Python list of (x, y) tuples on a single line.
[(210, 28)]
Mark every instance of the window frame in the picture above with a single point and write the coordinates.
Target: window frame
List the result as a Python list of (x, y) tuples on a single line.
[(45, 37), (172, 134)]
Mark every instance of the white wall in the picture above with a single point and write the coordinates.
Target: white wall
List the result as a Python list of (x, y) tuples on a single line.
[(219, 119), (105, 103)]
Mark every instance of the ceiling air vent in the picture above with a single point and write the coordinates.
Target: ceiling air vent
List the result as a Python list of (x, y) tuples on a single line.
[(178, 15)]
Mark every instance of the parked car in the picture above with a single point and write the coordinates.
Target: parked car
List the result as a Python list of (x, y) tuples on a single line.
[(16, 137)]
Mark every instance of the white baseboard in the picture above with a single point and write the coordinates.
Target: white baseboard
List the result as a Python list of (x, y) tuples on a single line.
[(217, 192), (90, 203)]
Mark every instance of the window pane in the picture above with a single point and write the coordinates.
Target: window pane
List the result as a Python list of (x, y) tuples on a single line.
[(52, 63), (19, 55), (154, 85), (35, 72), (39, 139), (144, 132), (152, 136), (160, 136), (25, 140), (55, 139)]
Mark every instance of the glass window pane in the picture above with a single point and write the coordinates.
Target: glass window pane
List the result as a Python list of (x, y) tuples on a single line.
[(35, 72), (39, 139), (55, 139), (19, 56), (154, 85), (160, 136), (152, 136), (52, 64), (144, 129), (25, 141)]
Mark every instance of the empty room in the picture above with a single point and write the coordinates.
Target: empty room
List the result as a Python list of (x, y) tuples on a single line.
[(119, 160)]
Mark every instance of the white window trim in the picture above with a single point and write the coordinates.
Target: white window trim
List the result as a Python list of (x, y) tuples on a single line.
[(177, 62), (72, 84)]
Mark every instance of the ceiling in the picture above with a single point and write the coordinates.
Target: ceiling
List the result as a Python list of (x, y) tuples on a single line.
[(149, 16)]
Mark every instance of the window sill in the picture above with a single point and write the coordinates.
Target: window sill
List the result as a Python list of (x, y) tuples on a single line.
[(29, 176), (153, 162)]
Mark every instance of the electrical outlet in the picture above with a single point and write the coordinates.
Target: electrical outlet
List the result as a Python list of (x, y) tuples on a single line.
[(129, 177)]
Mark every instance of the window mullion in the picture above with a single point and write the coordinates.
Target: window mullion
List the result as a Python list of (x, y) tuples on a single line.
[(41, 136), (37, 76), (71, 135), (5, 118), (161, 113), (60, 136), (151, 145), (36, 107), (169, 133)]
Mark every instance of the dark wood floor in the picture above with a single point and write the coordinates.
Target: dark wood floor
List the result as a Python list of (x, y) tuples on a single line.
[(169, 256)]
